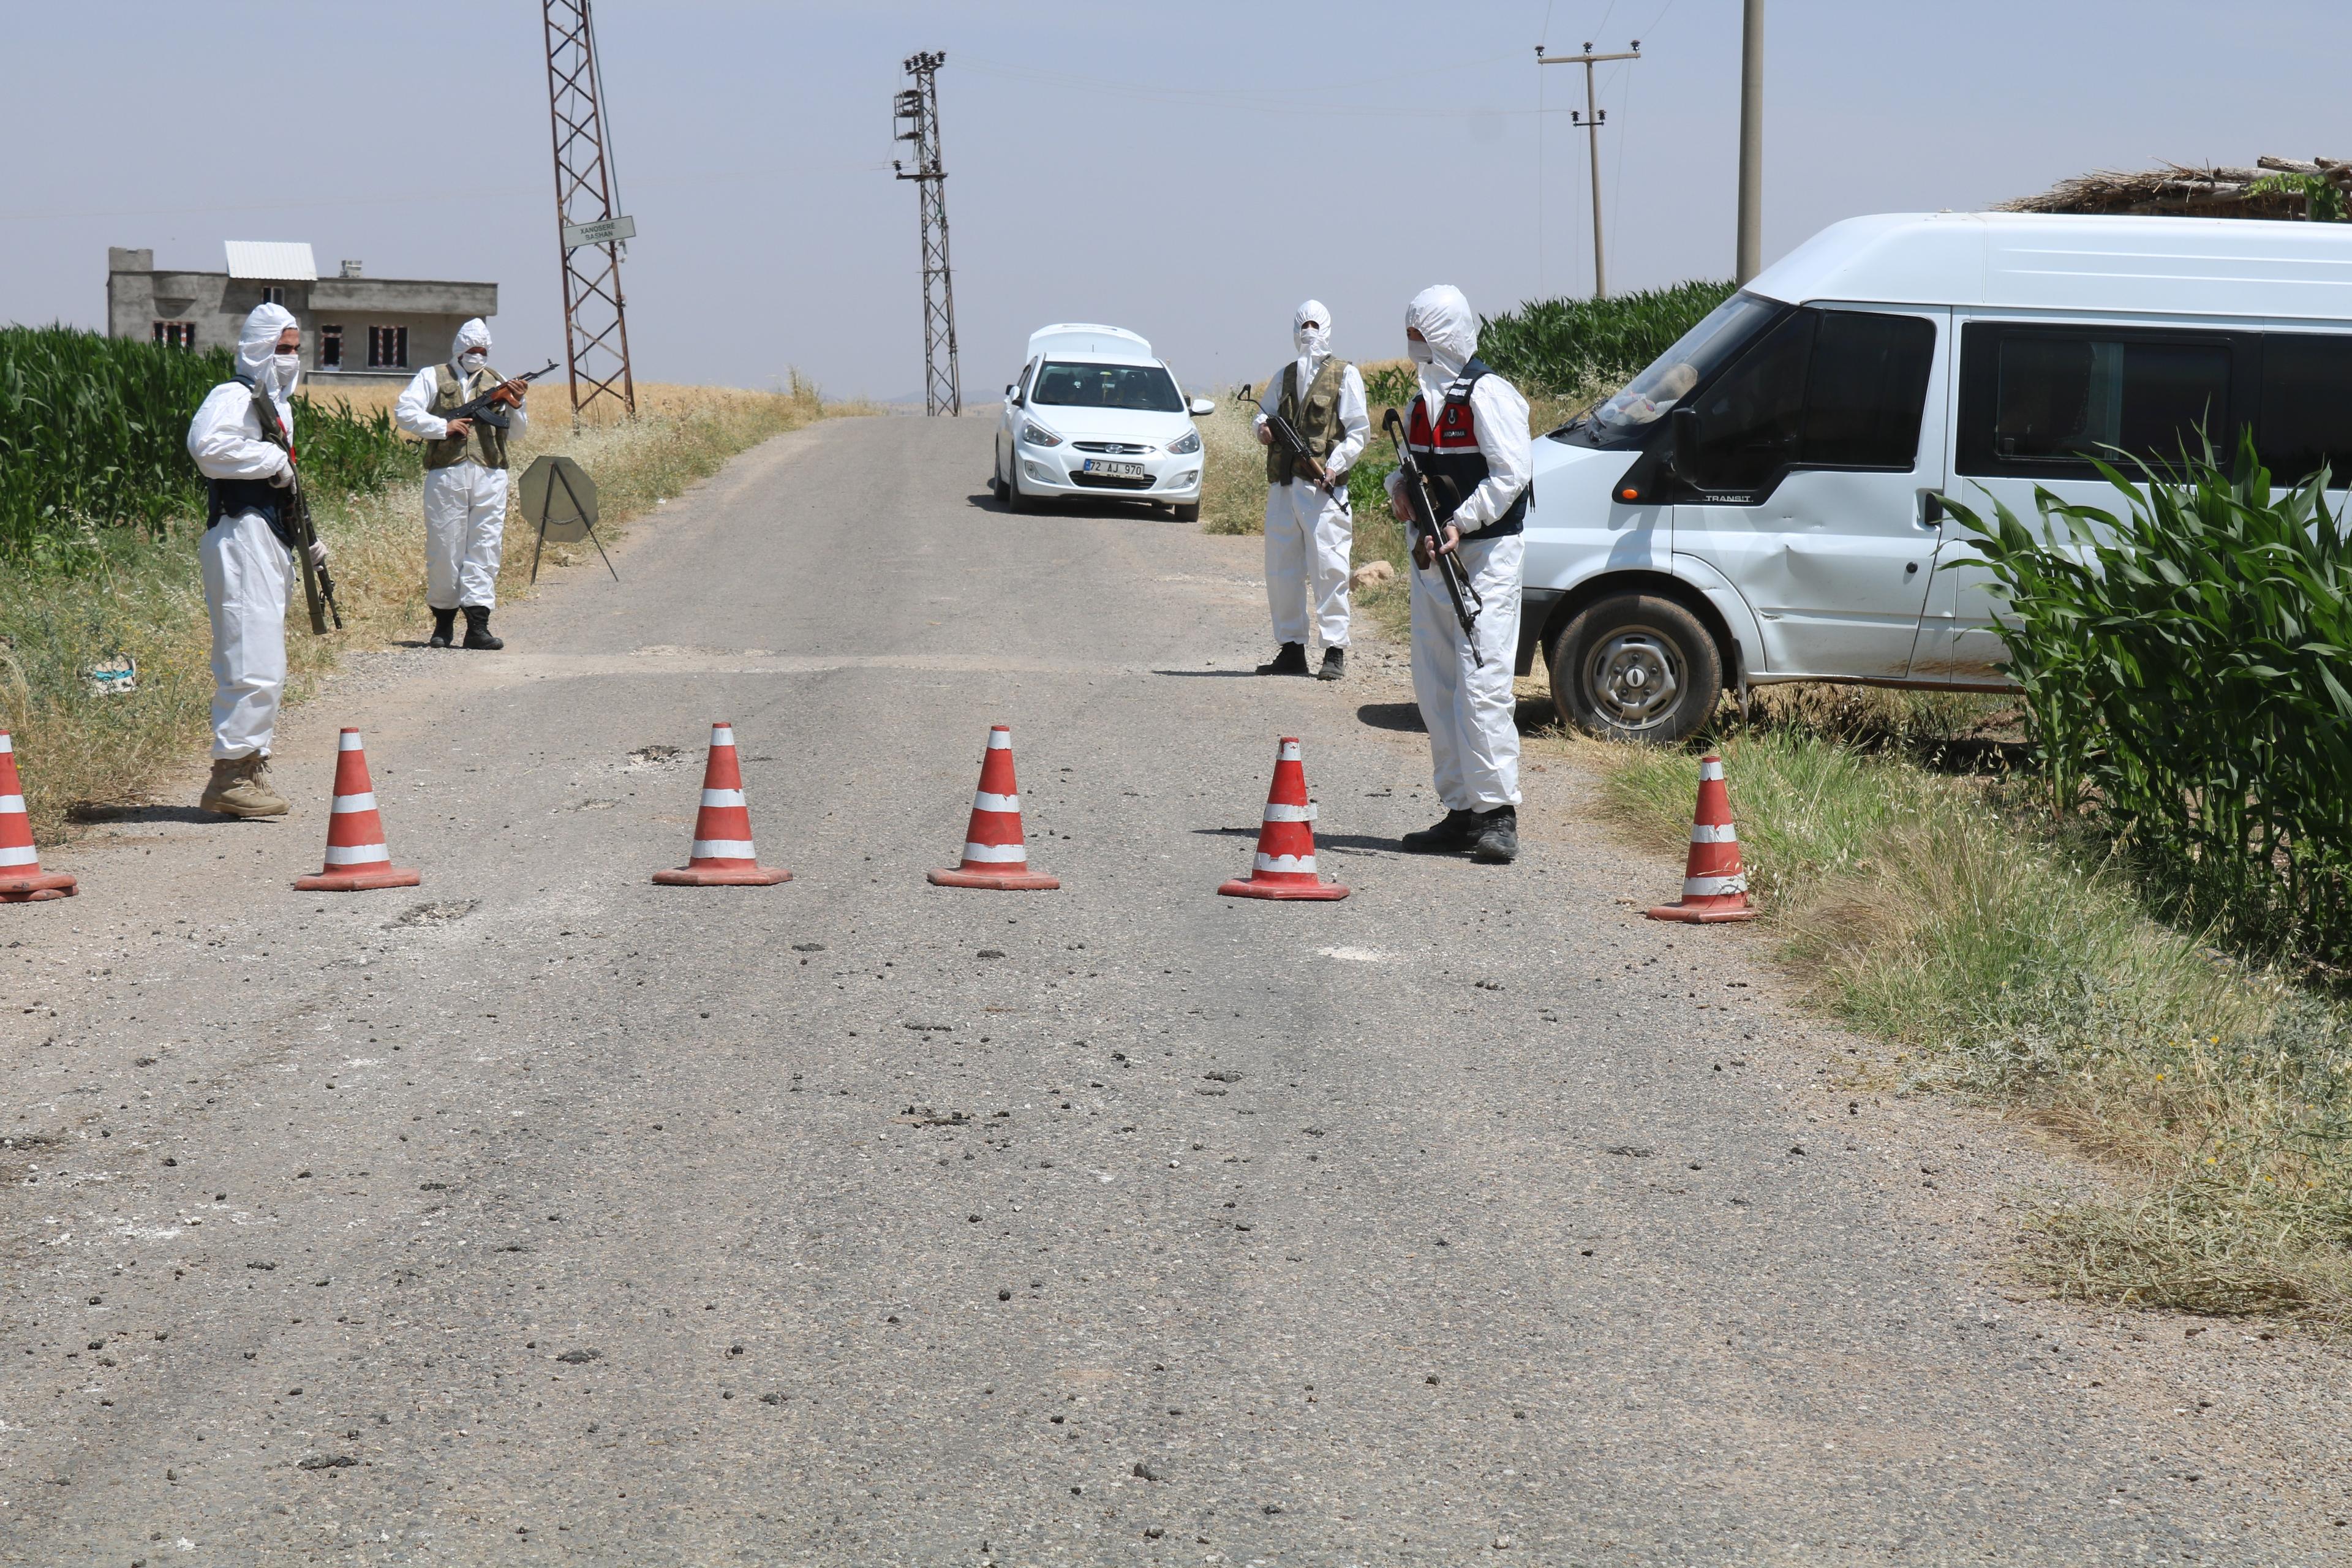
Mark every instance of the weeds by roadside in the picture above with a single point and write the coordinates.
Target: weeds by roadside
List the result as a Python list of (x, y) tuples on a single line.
[(142, 595), (2020, 969)]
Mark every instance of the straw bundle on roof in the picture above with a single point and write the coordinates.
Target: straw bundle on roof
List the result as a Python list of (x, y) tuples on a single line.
[(2177, 188)]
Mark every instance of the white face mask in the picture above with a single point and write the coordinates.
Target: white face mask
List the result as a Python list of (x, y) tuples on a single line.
[(1418, 351), (1314, 337), (288, 367), (472, 360)]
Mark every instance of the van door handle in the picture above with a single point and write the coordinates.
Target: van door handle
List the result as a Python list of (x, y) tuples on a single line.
[(1931, 510)]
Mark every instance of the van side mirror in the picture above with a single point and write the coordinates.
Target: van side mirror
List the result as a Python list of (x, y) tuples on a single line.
[(1201, 406), (1682, 444)]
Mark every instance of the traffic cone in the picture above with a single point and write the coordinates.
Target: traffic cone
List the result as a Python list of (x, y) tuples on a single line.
[(22, 880), (994, 853), (357, 858), (1284, 868), (722, 855), (1714, 886)]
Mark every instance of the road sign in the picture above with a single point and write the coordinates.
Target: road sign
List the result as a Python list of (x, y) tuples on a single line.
[(560, 499), (605, 231)]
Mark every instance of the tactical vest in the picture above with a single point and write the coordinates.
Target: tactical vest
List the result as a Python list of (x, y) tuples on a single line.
[(1450, 457), (450, 392), (1317, 422)]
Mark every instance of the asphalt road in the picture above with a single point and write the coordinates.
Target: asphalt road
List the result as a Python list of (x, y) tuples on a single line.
[(542, 1215)]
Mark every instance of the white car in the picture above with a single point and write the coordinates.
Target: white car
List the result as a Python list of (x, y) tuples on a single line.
[(1095, 415)]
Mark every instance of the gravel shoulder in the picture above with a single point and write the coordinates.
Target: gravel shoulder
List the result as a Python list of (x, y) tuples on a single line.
[(543, 1215)]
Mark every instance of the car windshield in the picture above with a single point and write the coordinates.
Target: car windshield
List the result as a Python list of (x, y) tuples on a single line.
[(1627, 419), (1145, 388)]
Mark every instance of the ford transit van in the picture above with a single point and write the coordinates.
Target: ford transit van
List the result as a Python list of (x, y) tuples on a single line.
[(1763, 503)]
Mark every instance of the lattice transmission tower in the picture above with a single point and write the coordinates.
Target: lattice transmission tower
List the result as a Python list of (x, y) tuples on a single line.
[(918, 120), (590, 224)]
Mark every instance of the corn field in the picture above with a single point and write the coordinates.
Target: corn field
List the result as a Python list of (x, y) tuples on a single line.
[(93, 435), (1563, 346), (2187, 664)]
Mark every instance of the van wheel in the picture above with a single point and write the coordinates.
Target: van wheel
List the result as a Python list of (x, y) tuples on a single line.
[(1635, 666)]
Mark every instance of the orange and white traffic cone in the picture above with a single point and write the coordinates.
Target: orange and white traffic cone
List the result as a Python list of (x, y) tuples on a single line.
[(1714, 886), (994, 853), (357, 858), (22, 880), (1284, 868), (722, 855)]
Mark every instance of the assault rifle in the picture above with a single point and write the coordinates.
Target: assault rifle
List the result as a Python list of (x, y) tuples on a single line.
[(1288, 436), (1422, 502), (294, 511), (488, 408)]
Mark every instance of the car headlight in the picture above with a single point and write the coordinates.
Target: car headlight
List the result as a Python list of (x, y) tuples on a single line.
[(1185, 444), (1034, 435)]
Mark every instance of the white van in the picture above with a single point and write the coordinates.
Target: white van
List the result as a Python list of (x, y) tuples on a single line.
[(1761, 504)]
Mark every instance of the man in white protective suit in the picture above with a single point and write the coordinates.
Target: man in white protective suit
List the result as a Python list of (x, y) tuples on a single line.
[(1310, 528), (247, 553), (1468, 431), (465, 483)]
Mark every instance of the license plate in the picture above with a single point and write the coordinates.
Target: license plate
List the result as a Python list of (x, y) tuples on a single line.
[(1114, 468)]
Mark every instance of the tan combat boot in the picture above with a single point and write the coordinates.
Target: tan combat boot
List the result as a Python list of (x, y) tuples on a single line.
[(240, 787)]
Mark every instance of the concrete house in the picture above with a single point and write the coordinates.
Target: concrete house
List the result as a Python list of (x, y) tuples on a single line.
[(353, 325)]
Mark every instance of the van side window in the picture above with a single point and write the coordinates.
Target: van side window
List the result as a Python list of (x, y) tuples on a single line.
[(2306, 407), (2045, 400), (1834, 389), (1867, 390)]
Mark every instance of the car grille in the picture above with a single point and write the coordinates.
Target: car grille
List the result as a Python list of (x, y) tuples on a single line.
[(1112, 483), (1111, 448)]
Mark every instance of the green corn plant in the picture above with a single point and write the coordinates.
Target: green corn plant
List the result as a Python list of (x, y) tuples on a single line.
[(1562, 346), (2187, 662), (93, 434)]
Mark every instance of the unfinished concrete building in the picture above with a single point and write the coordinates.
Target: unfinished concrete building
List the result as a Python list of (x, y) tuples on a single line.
[(353, 325)]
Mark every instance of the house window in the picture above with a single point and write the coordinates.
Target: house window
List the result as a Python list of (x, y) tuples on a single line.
[(176, 334), (330, 347), (273, 294), (387, 348)]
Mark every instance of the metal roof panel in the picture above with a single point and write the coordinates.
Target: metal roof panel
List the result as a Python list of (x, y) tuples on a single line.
[(272, 261)]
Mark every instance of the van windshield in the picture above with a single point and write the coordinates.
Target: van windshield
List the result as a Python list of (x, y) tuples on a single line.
[(1627, 419), (1144, 388)]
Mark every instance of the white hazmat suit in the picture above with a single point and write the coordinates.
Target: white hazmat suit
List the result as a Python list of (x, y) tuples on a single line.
[(244, 566), (1474, 738), (1309, 535), (465, 503)]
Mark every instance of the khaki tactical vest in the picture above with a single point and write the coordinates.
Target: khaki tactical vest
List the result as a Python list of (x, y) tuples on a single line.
[(1317, 422), (450, 392)]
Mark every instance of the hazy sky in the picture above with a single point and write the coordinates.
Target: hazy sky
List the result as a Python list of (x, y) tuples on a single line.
[(1190, 171)]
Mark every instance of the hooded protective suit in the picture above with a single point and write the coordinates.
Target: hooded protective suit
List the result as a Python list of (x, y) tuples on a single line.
[(1309, 535), (1469, 709), (465, 501), (244, 565)]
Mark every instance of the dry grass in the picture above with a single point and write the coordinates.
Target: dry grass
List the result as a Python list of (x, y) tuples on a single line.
[(2016, 970), (146, 597)]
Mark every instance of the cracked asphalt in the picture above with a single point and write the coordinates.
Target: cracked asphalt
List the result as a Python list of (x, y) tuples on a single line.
[(542, 1215)]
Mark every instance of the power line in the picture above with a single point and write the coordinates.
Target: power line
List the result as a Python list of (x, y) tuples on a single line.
[(918, 108)]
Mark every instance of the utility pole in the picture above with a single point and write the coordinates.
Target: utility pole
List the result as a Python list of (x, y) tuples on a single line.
[(1590, 121), (1749, 258), (589, 226), (917, 110)]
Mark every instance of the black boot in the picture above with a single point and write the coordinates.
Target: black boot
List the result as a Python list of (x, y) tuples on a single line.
[(1335, 665), (1289, 659), (445, 628), (1458, 831), (477, 629), (1498, 836)]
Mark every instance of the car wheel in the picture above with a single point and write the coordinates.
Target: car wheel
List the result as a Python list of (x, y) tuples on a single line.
[(1189, 512), (998, 488), (1635, 666), (1013, 496)]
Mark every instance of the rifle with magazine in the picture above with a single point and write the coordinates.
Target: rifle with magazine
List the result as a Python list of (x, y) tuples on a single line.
[(1288, 435), (493, 406), (1422, 502), (294, 515)]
